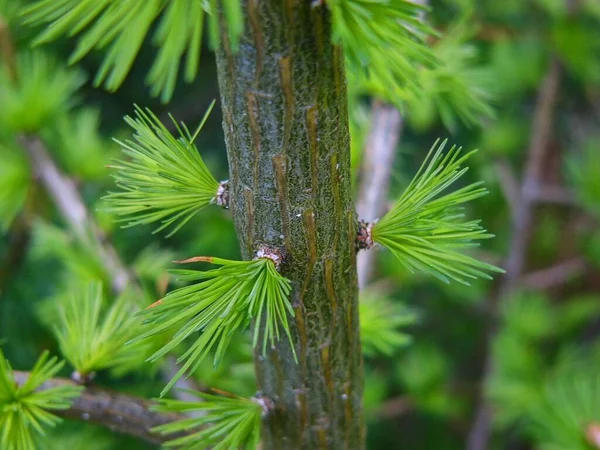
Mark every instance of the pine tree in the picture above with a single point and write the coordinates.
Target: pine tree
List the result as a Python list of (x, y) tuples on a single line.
[(282, 71)]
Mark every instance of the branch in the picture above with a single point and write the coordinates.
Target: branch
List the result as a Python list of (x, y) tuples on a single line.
[(64, 194), (376, 171), (120, 412), (523, 214), (394, 407), (554, 276)]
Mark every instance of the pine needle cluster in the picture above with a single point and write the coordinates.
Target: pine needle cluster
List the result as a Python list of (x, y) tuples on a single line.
[(381, 322), (225, 422), (426, 230), (165, 179), (24, 411), (119, 27), (384, 41), (221, 303), (92, 337)]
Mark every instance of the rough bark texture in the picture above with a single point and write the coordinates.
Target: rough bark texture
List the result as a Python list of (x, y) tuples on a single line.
[(286, 125)]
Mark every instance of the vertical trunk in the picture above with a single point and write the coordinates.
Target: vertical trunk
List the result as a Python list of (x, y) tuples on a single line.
[(286, 125)]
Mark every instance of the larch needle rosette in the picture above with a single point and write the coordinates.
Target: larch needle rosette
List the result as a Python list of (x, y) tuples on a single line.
[(25, 411), (220, 303), (165, 179), (426, 229), (225, 422)]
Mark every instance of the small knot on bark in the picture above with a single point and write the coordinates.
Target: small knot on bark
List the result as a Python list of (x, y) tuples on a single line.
[(222, 197), (272, 253), (83, 379), (364, 239), (266, 403)]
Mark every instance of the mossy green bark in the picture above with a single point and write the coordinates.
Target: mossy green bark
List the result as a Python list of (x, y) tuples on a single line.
[(285, 118)]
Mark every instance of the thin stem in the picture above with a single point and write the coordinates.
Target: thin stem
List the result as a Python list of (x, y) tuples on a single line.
[(523, 216), (556, 275), (376, 171), (120, 412), (64, 193)]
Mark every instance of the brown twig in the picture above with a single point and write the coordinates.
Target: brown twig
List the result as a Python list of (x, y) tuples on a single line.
[(523, 215), (394, 407), (554, 276), (120, 412), (64, 194), (376, 171), (7, 50)]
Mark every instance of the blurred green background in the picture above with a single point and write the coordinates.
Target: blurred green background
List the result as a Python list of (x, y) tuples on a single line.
[(528, 342)]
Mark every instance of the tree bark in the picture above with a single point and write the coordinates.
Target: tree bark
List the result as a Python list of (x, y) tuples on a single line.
[(285, 118)]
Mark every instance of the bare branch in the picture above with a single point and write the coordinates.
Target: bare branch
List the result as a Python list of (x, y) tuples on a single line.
[(120, 412), (509, 185), (541, 134), (377, 167), (64, 194), (554, 276)]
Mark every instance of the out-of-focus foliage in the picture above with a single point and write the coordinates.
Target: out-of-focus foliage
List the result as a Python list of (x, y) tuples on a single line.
[(380, 323), (119, 29), (384, 42), (14, 183), (543, 389), (44, 91), (91, 337)]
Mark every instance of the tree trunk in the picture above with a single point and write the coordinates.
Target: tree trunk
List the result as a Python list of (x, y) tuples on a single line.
[(285, 116)]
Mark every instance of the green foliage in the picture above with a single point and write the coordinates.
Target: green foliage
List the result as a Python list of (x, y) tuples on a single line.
[(120, 27), (223, 423), (529, 315), (423, 371), (220, 304), (380, 324), (454, 89), (81, 260), (14, 184), (165, 179), (78, 145), (384, 43), (425, 231), (24, 411), (583, 172), (568, 417), (45, 90), (92, 339)]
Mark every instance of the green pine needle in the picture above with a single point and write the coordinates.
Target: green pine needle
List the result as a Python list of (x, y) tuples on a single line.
[(45, 91), (220, 304), (383, 42), (457, 89), (380, 324), (225, 423), (15, 180), (92, 339), (165, 179), (24, 412), (426, 231), (568, 418), (120, 27)]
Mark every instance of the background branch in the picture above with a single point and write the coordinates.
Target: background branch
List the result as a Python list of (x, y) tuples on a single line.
[(71, 206), (378, 160), (120, 412), (523, 214)]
